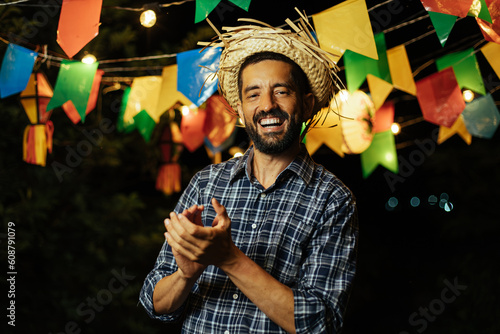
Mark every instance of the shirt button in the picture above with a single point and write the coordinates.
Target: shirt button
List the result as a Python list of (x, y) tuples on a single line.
[(263, 195), (235, 296), (254, 226)]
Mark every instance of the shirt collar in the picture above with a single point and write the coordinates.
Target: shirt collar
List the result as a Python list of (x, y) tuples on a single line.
[(302, 165)]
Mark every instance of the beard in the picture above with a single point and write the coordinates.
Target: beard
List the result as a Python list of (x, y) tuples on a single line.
[(274, 143)]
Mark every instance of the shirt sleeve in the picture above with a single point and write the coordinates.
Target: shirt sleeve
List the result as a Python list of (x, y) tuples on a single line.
[(320, 298), (165, 263)]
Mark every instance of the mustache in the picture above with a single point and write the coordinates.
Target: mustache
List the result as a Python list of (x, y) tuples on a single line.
[(275, 112)]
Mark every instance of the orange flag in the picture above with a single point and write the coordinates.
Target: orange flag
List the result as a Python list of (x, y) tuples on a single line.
[(457, 128), (78, 24)]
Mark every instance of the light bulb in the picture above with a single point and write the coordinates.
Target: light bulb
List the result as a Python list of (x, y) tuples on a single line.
[(468, 95), (395, 128), (89, 59), (148, 18)]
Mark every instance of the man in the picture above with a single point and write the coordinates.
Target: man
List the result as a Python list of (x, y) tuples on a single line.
[(264, 243)]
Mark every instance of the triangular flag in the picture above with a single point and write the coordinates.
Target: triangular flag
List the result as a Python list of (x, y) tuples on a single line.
[(17, 66), (481, 117), (196, 77), (205, 7), (382, 151), (333, 36), (480, 10), (491, 30), (78, 24), (466, 69), (327, 132), (457, 128), (399, 66), (74, 82), (491, 52), (443, 23), (384, 117), (358, 66), (35, 98), (379, 90), (451, 7), (144, 124), (143, 95), (440, 98), (69, 107), (122, 126), (169, 95)]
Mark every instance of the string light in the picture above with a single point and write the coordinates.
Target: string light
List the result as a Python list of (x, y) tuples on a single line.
[(395, 128), (468, 95), (148, 18), (89, 59)]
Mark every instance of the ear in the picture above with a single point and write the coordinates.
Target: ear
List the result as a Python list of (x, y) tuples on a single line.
[(309, 102), (240, 112)]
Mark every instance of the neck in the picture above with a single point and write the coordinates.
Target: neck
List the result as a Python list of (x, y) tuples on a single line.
[(267, 167)]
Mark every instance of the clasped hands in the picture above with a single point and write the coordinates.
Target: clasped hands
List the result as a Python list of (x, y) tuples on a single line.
[(196, 246)]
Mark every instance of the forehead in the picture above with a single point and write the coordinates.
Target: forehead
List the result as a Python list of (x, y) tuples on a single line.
[(266, 71)]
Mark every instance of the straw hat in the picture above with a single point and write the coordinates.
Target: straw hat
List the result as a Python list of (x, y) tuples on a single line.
[(298, 44)]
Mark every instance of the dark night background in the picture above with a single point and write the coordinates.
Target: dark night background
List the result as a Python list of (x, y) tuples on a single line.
[(105, 217)]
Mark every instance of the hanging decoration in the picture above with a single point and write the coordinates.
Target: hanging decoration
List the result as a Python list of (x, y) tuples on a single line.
[(451, 7), (330, 26), (143, 96), (196, 77), (440, 98), (466, 69), (379, 90), (479, 9), (168, 95), (481, 117), (78, 24), (16, 69), (168, 179), (384, 117), (358, 66), (144, 124), (491, 30), (74, 83), (457, 128), (400, 70), (382, 151), (219, 124), (121, 125), (443, 24), (192, 129), (205, 7), (491, 52)]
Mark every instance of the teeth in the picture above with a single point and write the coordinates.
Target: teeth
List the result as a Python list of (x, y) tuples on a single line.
[(270, 121)]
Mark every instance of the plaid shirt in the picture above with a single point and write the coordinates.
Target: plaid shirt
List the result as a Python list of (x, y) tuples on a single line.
[(302, 230)]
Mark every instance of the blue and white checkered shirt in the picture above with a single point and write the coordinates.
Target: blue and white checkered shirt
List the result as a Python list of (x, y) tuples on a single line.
[(302, 230)]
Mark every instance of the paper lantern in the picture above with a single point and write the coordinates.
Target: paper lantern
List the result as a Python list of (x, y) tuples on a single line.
[(35, 98), (192, 129), (481, 117), (168, 179), (16, 69), (440, 98), (219, 123), (37, 139), (356, 113), (78, 24)]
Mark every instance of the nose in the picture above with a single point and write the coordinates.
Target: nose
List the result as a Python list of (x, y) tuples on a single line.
[(267, 102)]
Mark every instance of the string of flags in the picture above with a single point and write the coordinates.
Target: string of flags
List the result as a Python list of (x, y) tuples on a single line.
[(365, 129)]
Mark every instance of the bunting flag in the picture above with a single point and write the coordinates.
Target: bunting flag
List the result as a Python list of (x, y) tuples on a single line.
[(121, 125), (466, 69), (382, 151), (192, 129), (219, 124), (17, 66), (205, 7), (214, 150), (384, 117), (328, 132), (168, 95), (35, 98), (481, 117), (400, 70), (196, 77), (144, 124), (69, 107), (479, 9), (451, 7), (457, 128), (357, 66), (379, 90), (443, 24), (333, 36), (37, 139), (491, 52), (78, 24), (440, 98), (143, 96), (491, 30), (74, 83)]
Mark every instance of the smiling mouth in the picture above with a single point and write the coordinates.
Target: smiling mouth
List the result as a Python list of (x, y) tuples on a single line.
[(271, 122)]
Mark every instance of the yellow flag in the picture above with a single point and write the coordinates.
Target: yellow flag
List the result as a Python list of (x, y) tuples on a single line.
[(491, 52), (457, 128), (399, 66), (379, 90), (168, 93), (346, 26), (143, 96), (328, 133)]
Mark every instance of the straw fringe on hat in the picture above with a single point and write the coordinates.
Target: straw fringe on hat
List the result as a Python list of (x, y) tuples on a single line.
[(297, 44)]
